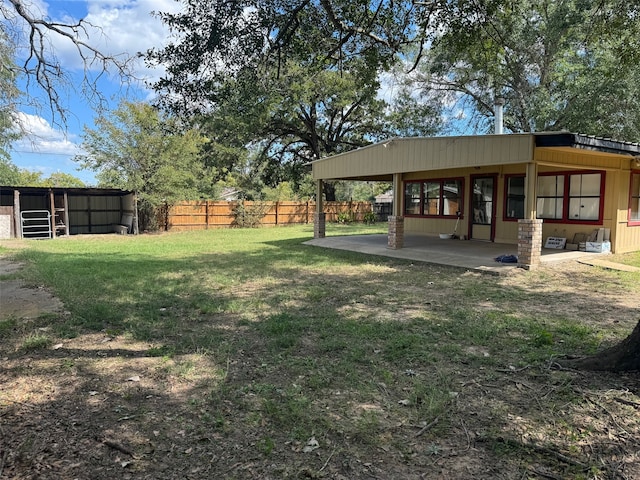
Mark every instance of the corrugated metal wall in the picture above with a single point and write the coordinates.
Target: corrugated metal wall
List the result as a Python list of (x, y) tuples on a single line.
[(94, 214)]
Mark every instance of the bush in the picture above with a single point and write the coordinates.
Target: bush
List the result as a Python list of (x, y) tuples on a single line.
[(249, 216), (345, 217), (369, 218)]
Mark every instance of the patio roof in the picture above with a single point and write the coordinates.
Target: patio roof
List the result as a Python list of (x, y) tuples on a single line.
[(378, 162)]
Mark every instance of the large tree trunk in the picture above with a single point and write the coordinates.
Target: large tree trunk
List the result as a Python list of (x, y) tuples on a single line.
[(623, 357), (329, 192)]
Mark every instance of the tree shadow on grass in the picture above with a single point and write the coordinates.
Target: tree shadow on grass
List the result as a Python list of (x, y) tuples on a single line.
[(242, 357)]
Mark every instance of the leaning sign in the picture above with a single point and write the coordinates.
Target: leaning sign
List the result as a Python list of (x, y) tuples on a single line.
[(555, 242)]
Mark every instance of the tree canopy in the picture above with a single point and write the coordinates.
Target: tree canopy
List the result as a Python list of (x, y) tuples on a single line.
[(11, 175), (216, 40), (300, 80), (8, 97), (293, 82), (564, 64)]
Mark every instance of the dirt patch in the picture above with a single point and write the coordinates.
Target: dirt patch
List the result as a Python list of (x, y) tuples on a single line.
[(20, 301)]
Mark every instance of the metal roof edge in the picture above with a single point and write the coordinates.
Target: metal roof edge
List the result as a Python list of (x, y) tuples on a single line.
[(79, 190), (586, 142)]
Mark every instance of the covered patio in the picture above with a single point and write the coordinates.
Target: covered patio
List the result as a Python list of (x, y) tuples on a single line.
[(469, 254), (515, 191)]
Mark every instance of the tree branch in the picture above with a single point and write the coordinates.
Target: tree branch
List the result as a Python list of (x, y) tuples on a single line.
[(46, 70)]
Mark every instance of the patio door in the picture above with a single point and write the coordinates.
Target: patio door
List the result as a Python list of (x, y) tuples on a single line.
[(483, 208)]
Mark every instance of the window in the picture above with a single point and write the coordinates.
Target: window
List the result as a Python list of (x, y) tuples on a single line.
[(584, 197), (452, 197), (570, 197), (634, 199), (433, 198), (514, 207), (550, 196), (412, 199)]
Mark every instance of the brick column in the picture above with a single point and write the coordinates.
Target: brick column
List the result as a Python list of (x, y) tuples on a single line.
[(529, 243), (395, 237), (319, 225)]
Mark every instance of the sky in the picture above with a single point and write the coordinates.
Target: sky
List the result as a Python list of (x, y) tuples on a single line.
[(126, 27)]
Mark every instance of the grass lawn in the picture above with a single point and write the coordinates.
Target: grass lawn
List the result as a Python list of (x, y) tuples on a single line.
[(242, 353)]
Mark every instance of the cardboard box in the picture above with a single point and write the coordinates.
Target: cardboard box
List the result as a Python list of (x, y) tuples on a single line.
[(599, 247), (571, 246)]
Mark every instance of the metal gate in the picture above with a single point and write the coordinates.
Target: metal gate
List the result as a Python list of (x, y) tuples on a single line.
[(36, 224)]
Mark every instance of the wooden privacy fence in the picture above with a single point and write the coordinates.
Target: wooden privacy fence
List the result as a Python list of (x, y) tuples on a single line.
[(204, 214)]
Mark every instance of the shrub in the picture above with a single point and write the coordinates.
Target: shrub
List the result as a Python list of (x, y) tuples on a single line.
[(369, 218), (345, 217), (249, 216)]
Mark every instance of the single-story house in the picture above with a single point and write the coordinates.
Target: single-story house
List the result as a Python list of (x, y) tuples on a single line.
[(43, 212), (515, 188)]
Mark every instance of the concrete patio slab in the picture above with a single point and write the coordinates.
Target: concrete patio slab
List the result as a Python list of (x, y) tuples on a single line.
[(469, 254)]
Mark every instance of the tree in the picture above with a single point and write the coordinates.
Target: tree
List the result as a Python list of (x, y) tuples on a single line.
[(64, 180), (311, 92), (281, 193), (625, 356), (13, 176), (557, 64), (217, 39), (8, 95), (9, 173), (137, 148)]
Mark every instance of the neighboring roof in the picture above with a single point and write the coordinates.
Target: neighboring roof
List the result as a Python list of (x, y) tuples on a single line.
[(77, 191), (230, 193), (385, 197)]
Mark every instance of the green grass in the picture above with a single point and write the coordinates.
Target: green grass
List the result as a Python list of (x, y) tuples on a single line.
[(632, 259), (183, 291), (303, 341), (36, 342)]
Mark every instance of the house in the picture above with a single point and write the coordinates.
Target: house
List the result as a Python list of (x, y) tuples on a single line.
[(516, 188), (43, 212)]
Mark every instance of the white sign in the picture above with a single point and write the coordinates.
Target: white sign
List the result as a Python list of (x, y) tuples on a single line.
[(555, 242)]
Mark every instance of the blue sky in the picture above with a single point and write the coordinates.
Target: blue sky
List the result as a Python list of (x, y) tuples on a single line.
[(126, 26)]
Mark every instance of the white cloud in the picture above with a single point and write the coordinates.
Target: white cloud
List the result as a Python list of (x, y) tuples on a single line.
[(122, 28), (41, 137)]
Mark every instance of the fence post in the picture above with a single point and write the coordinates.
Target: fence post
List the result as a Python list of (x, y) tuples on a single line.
[(166, 216), (206, 213), (277, 212)]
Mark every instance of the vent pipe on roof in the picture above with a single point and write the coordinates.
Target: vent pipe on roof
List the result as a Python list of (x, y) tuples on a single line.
[(498, 117)]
